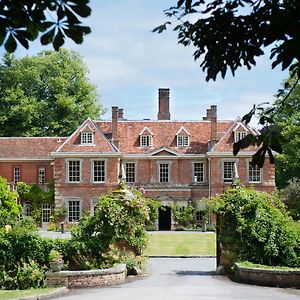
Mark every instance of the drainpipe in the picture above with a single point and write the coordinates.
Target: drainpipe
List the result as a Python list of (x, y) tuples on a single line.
[(209, 186)]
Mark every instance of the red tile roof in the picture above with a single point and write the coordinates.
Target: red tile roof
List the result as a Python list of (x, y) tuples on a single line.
[(29, 147), (164, 134), (100, 142)]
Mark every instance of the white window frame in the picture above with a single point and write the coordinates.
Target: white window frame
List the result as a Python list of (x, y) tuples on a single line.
[(26, 210), (228, 180), (67, 202), (93, 171), (252, 169), (87, 138), (238, 135), (68, 170), (146, 140), (42, 175), (17, 174), (134, 171), (159, 164), (93, 204), (195, 177), (183, 140), (46, 212)]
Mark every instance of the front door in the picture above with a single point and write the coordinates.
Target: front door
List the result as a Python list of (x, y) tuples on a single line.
[(164, 218)]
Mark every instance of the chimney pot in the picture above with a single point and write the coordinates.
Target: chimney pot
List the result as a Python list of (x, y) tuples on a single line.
[(120, 113)]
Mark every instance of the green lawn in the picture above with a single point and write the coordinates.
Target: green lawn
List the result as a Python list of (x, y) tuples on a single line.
[(6, 295), (181, 244)]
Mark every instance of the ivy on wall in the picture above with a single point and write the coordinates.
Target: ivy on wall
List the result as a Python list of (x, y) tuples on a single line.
[(36, 197)]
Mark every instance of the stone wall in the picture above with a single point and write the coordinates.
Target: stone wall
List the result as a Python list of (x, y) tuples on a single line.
[(87, 278), (279, 278)]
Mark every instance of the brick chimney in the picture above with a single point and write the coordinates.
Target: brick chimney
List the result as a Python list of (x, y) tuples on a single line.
[(212, 113), (114, 125), (208, 115), (120, 113), (163, 104)]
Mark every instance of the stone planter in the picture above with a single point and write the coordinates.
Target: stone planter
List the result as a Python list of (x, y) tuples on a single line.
[(266, 277), (87, 278), (56, 264)]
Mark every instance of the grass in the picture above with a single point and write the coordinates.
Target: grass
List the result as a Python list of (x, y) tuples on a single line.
[(247, 264), (181, 244), (7, 294)]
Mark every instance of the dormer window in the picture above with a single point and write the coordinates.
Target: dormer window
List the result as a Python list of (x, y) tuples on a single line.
[(183, 138), (146, 138), (87, 138), (239, 135)]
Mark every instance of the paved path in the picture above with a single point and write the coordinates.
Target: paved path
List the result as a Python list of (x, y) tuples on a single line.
[(183, 279)]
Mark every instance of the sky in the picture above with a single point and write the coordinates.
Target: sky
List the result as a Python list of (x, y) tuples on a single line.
[(128, 63)]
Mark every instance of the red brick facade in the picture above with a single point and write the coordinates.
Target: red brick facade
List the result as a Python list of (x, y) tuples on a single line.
[(174, 161)]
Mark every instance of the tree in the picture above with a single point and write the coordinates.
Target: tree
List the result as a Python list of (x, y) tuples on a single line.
[(9, 209), (229, 34), (288, 121), (291, 196), (49, 94), (21, 21)]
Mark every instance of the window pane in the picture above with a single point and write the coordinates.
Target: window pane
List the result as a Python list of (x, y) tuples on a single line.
[(182, 140), (74, 211), (42, 175), (26, 210), (164, 173), (74, 171), (146, 140), (99, 170), (254, 173), (46, 213), (17, 174), (86, 137), (238, 135), (228, 171), (198, 172), (130, 172)]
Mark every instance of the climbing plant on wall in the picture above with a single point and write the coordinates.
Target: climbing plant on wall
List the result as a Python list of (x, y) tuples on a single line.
[(36, 197), (257, 227)]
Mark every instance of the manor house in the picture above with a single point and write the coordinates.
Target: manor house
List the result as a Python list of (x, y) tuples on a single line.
[(173, 161)]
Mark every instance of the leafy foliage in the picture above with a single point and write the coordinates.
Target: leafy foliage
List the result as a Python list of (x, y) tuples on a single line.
[(25, 275), (291, 196), (49, 94), (21, 21), (288, 120), (183, 215), (118, 220), (231, 34), (9, 209), (259, 227), (36, 197)]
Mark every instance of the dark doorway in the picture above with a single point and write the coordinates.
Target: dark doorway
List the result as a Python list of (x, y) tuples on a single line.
[(164, 218)]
